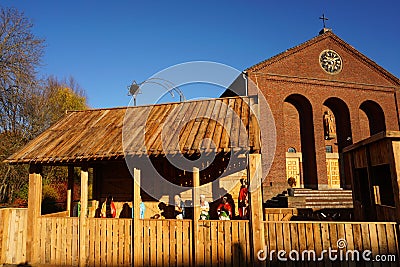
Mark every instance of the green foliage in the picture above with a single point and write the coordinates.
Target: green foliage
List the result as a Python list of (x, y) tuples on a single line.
[(49, 199), (23, 192)]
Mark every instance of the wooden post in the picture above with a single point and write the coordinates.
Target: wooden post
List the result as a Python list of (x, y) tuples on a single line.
[(34, 211), (395, 180), (70, 190), (83, 215), (196, 212), (136, 241), (256, 209)]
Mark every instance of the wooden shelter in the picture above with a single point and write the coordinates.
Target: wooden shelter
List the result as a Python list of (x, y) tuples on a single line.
[(92, 139), (375, 165)]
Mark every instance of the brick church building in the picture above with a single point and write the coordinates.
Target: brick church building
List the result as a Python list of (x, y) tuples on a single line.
[(324, 96)]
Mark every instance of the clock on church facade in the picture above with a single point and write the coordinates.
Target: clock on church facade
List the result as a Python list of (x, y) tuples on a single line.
[(330, 61)]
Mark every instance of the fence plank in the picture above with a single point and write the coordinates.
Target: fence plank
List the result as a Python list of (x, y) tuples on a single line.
[(373, 238), (365, 237), (392, 238), (279, 237), (187, 241), (382, 241), (243, 237), (68, 260), (200, 245), (235, 244), (6, 225), (121, 244), (221, 247), (214, 242), (272, 238), (159, 243), (209, 250), (172, 236), (115, 244), (91, 236), (129, 242)]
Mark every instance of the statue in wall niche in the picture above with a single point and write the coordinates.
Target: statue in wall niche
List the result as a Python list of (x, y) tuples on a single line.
[(329, 125)]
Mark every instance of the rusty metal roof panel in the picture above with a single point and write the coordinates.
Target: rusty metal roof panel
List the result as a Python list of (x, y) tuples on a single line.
[(97, 134)]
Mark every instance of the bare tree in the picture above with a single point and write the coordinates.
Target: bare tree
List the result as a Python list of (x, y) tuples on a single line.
[(28, 106), (20, 54)]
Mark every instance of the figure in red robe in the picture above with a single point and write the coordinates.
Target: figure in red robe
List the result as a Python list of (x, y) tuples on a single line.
[(224, 210), (108, 208), (243, 200)]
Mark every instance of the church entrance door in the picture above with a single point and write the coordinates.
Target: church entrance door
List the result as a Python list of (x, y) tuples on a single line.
[(333, 172)]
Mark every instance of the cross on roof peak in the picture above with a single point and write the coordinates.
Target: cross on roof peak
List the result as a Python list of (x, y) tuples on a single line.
[(323, 18)]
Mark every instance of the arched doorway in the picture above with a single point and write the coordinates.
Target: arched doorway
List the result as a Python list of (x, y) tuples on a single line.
[(307, 140), (375, 115), (342, 137)]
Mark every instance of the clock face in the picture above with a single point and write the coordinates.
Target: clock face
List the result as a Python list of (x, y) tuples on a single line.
[(330, 61)]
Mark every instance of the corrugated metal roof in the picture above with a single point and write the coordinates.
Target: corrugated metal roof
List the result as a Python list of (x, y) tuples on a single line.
[(97, 134)]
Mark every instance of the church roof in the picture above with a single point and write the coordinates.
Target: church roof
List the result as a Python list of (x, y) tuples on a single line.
[(96, 134), (322, 36)]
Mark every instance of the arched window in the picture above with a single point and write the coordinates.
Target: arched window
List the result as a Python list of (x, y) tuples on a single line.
[(291, 150)]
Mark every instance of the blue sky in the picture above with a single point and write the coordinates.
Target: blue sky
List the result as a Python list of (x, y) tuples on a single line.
[(105, 45)]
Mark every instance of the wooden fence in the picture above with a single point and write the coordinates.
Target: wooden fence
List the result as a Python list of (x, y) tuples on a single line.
[(109, 242), (279, 214), (380, 238), (386, 213), (223, 243), (13, 235), (164, 243), (58, 242), (171, 242)]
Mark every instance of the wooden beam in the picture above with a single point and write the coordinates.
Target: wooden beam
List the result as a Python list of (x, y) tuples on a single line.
[(70, 189), (395, 161), (196, 212), (34, 211), (83, 215), (137, 244), (256, 210), (136, 193)]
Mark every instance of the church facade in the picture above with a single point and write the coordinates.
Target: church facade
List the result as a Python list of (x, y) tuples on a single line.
[(324, 96)]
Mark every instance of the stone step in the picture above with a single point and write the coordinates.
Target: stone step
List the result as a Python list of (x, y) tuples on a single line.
[(324, 199), (329, 202), (323, 192), (325, 196), (328, 207), (317, 190)]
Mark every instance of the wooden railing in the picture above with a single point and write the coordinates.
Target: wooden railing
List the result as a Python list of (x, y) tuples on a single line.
[(57, 214), (380, 238), (13, 235), (386, 213), (279, 214)]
